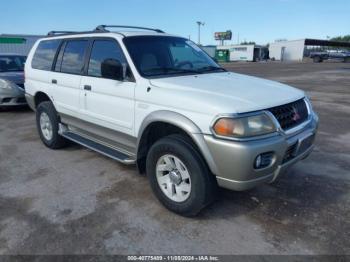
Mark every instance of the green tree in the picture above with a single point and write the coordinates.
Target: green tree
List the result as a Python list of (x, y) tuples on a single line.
[(248, 43), (345, 38)]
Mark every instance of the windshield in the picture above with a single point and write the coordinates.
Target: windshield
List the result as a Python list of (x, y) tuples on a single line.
[(12, 63), (164, 56)]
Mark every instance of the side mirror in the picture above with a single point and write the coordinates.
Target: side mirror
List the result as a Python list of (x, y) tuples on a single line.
[(112, 69)]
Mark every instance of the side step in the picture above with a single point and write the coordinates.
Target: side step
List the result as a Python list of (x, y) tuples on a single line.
[(104, 150)]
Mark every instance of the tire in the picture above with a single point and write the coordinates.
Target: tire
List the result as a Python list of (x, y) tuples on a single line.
[(317, 59), (201, 182), (46, 113)]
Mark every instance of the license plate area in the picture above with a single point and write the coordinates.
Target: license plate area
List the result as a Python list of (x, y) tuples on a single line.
[(298, 147), (304, 144)]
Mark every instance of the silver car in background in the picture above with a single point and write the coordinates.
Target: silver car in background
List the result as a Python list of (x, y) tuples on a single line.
[(12, 80)]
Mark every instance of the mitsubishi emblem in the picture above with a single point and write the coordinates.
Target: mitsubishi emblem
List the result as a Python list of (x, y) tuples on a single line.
[(296, 115)]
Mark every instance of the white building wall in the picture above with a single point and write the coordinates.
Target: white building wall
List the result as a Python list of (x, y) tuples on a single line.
[(240, 52), (293, 50), (210, 50)]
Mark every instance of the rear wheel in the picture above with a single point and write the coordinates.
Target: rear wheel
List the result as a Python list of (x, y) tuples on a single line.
[(179, 177), (47, 122)]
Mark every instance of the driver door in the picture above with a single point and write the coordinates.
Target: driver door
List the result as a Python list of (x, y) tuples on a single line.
[(105, 101)]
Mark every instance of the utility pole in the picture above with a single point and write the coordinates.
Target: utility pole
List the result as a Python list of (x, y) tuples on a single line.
[(199, 31)]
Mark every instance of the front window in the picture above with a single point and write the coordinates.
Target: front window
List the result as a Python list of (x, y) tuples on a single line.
[(12, 63), (164, 56), (104, 52)]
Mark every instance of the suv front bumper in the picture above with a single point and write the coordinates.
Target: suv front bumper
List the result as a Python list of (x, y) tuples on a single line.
[(12, 97), (235, 160)]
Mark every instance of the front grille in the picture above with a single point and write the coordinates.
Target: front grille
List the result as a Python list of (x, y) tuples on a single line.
[(290, 115)]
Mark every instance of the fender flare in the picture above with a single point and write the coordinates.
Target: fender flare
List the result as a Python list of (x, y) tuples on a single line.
[(183, 123), (31, 99)]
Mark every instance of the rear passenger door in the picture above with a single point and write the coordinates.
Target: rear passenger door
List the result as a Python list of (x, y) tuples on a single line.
[(66, 76), (105, 101)]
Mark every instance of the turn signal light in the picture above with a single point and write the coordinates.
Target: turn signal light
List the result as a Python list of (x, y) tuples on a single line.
[(224, 127)]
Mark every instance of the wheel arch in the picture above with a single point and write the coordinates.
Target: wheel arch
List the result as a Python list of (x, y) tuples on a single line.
[(40, 97), (181, 124)]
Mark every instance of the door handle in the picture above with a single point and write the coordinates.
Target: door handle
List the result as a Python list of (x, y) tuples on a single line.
[(87, 87), (54, 81)]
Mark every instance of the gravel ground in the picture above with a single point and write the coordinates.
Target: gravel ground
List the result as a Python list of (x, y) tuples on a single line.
[(75, 201)]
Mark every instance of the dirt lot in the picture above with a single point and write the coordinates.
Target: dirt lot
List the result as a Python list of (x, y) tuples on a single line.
[(75, 201)]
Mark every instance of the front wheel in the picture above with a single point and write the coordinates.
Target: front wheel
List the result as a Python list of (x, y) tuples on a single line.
[(179, 177)]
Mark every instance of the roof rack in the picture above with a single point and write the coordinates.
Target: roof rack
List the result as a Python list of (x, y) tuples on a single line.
[(102, 28), (54, 33)]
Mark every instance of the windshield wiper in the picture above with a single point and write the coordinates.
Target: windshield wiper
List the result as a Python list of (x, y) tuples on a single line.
[(168, 70), (211, 69)]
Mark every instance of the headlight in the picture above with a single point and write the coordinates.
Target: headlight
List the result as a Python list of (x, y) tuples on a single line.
[(4, 84), (244, 127)]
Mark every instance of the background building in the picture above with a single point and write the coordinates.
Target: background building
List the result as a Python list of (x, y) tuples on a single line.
[(245, 52), (210, 50), (296, 50), (287, 50), (17, 44)]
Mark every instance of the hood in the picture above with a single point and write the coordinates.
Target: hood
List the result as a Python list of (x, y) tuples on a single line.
[(16, 77), (227, 92)]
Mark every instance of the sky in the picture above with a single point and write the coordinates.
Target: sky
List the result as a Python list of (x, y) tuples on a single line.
[(262, 21)]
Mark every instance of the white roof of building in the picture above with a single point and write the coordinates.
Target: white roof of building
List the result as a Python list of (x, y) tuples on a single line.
[(21, 35)]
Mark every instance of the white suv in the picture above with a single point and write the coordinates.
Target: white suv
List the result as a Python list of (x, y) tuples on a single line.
[(159, 101)]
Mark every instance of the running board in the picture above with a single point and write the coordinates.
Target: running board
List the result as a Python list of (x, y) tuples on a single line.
[(104, 150)]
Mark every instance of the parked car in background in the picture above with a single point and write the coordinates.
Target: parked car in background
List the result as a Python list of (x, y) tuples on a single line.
[(159, 101), (12, 80), (341, 55)]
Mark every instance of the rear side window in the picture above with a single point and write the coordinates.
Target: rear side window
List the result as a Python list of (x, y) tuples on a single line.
[(73, 57), (103, 50), (45, 54)]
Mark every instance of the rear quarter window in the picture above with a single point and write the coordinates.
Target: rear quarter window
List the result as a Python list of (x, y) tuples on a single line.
[(45, 54)]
